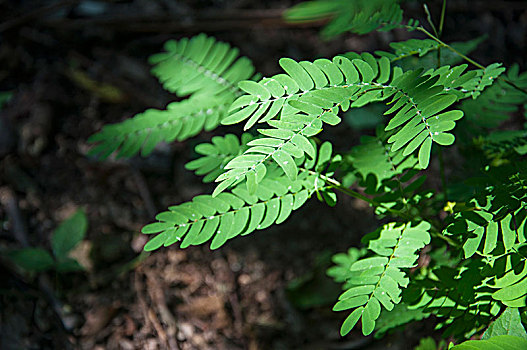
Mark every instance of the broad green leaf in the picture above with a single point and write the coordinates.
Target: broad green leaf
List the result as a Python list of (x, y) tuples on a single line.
[(501, 342), (68, 265), (436, 104), (444, 139), (32, 259), (472, 243), (509, 323), (69, 233)]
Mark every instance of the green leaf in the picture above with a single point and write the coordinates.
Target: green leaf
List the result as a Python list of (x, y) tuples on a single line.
[(68, 265), (351, 321), (156, 242), (509, 323), (371, 312), (444, 139), (253, 88), (364, 69), (69, 233), (502, 342), (32, 259), (424, 153), (436, 104), (377, 279), (358, 16), (287, 163), (298, 73)]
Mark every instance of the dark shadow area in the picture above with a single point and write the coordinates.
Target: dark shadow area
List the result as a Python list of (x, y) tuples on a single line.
[(70, 67)]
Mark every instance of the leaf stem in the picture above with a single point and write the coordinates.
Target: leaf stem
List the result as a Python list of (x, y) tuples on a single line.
[(441, 23), (433, 37), (429, 19), (442, 19), (442, 173), (466, 58), (340, 187)]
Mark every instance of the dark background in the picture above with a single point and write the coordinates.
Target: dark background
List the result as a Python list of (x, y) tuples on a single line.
[(73, 66)]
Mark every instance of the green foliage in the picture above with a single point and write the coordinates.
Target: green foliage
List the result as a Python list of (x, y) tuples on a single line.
[(400, 315), (230, 214), (32, 259), (509, 323), (238, 212), (311, 94), (497, 103), (411, 47), (65, 237), (427, 53), (5, 97), (206, 70), (505, 342), (454, 249), (429, 344), (217, 154), (341, 272), (377, 280), (69, 234), (358, 16)]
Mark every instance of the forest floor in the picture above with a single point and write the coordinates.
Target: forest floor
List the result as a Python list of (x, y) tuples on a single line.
[(73, 66)]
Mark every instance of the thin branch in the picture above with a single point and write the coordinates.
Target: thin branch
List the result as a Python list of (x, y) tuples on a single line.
[(340, 187), (442, 19), (466, 58)]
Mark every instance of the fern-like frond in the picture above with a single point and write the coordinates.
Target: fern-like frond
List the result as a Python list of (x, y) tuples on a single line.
[(240, 212), (498, 102), (230, 214), (503, 143), (215, 155), (484, 78), (414, 53), (200, 65), (341, 272), (493, 225), (392, 178), (495, 219), (378, 280), (374, 162), (311, 94), (143, 132), (510, 283), (408, 48), (358, 16), (455, 295)]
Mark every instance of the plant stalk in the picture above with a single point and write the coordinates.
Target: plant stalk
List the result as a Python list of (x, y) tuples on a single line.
[(466, 58)]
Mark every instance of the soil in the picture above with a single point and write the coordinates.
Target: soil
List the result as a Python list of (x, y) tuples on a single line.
[(73, 66)]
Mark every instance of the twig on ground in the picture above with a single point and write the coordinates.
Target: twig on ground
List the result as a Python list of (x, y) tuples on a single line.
[(9, 201), (144, 191)]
